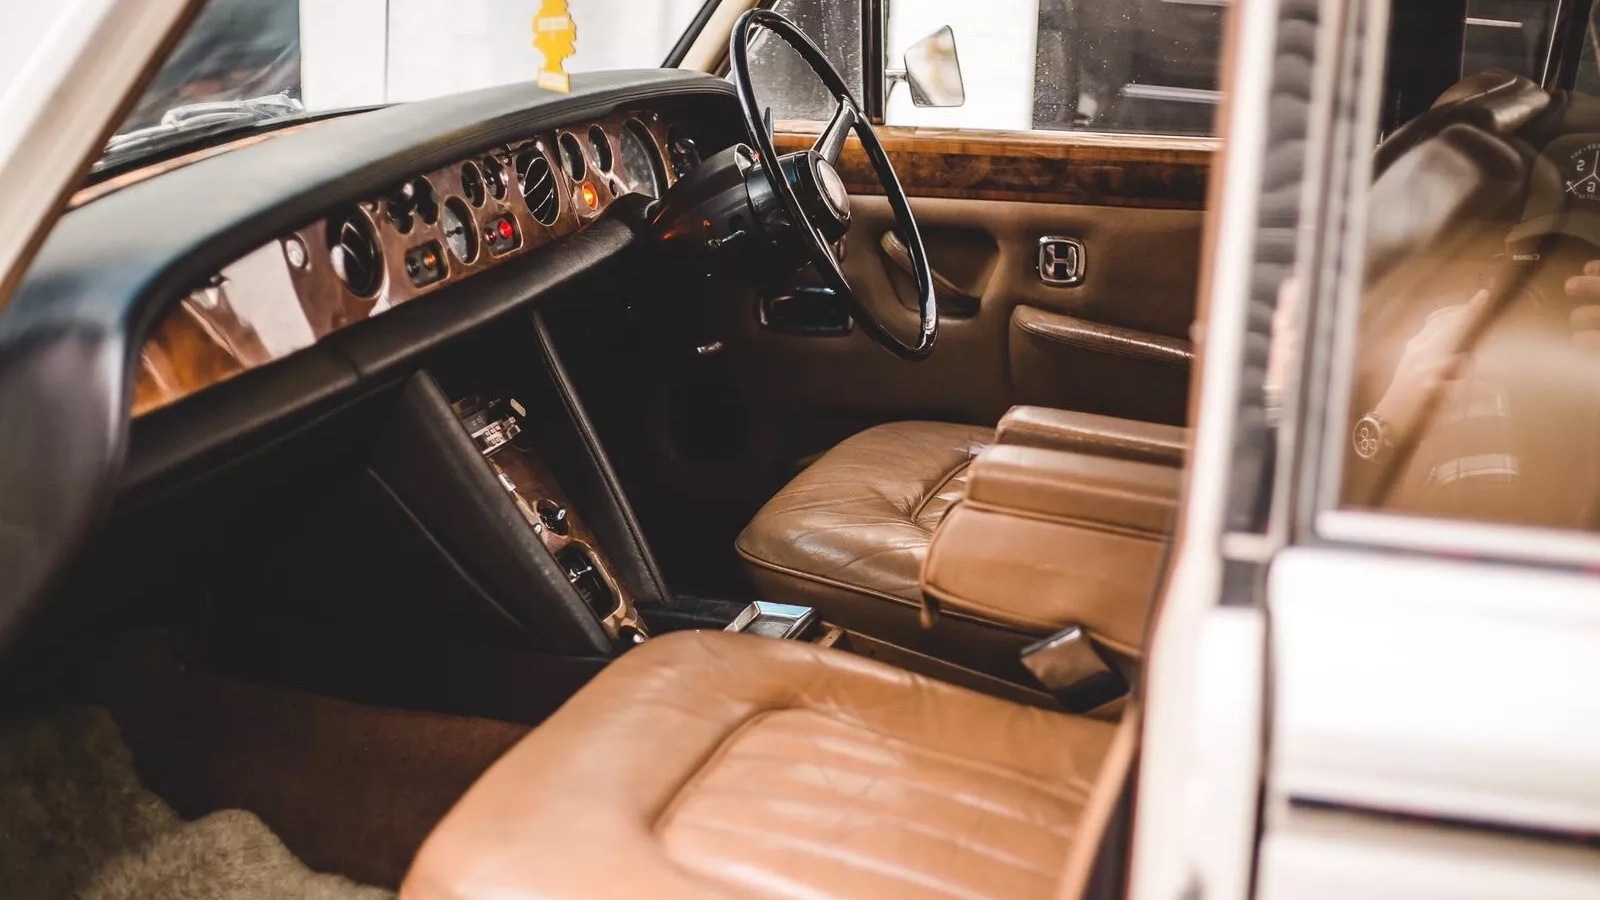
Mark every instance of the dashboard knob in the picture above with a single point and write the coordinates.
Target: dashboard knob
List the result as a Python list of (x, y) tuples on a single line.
[(554, 516)]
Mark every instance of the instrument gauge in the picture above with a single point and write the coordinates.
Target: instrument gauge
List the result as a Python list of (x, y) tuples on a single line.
[(641, 164), (571, 156), (460, 232), (472, 183), (600, 149), (494, 177), (1580, 176)]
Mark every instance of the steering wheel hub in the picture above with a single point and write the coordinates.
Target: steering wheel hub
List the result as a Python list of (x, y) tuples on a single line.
[(831, 186)]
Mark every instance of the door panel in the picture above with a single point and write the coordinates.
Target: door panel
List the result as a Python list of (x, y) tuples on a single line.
[(1116, 344)]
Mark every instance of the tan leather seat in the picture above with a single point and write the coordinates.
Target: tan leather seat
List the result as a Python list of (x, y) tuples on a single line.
[(851, 534), (710, 765), (855, 526)]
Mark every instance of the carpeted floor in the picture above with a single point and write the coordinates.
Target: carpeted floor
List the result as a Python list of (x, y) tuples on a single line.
[(349, 788), (76, 823)]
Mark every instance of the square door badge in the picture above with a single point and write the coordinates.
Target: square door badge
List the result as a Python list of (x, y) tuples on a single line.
[(556, 36)]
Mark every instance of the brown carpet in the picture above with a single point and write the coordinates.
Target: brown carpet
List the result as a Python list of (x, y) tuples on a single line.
[(348, 788), (75, 823)]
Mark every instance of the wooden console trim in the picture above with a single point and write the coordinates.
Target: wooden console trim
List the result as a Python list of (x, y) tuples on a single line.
[(528, 479), (1145, 171)]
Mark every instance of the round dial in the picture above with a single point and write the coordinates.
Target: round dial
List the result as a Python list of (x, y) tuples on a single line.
[(460, 233), (571, 156), (494, 177), (1580, 177), (600, 148), (472, 184), (641, 166)]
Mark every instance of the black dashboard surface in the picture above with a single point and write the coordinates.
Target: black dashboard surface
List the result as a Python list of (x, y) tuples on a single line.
[(70, 338)]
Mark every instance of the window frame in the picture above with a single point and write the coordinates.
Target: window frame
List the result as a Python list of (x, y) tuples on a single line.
[(691, 34), (1333, 295)]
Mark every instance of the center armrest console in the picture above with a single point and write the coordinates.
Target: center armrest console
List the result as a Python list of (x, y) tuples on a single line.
[(1045, 539), (1094, 435)]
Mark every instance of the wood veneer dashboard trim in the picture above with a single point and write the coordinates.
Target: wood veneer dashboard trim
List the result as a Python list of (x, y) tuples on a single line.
[(1146, 171), (205, 340)]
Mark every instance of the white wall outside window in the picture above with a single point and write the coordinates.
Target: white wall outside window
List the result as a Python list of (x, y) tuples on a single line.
[(996, 42), (357, 52)]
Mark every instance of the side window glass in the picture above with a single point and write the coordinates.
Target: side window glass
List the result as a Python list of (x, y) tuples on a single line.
[(1133, 66), (1507, 34), (1475, 379), (1144, 66), (1130, 66), (783, 81)]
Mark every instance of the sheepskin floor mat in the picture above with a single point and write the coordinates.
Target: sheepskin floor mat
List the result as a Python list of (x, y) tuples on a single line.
[(75, 823)]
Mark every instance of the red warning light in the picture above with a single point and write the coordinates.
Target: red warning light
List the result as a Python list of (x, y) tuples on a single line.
[(506, 231)]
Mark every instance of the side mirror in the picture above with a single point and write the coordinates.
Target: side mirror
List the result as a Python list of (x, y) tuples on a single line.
[(933, 70)]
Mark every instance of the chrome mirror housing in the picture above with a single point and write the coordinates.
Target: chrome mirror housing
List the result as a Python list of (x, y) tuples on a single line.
[(933, 71)]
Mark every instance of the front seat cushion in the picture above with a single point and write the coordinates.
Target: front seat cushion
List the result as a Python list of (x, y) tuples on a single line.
[(860, 519), (712, 765)]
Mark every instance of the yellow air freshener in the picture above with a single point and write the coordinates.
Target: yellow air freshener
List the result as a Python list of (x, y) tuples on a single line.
[(556, 36)]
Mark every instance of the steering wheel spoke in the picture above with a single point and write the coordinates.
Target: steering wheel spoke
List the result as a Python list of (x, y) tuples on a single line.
[(831, 143), (823, 217)]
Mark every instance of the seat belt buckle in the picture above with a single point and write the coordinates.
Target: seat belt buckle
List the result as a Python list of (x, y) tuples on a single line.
[(1068, 666)]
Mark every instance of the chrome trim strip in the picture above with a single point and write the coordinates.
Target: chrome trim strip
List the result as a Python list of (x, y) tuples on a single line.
[(1494, 23), (1174, 94)]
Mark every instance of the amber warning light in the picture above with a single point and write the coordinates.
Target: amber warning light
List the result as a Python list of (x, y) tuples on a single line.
[(590, 198)]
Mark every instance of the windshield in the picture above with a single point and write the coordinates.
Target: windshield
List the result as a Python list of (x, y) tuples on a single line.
[(244, 62)]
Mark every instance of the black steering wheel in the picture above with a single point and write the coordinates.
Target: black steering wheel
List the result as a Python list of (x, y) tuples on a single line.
[(810, 190)]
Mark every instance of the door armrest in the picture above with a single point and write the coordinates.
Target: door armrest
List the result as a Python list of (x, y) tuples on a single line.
[(1094, 435)]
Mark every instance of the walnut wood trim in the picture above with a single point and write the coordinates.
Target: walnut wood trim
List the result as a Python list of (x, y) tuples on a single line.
[(1045, 167), (200, 343), (529, 480)]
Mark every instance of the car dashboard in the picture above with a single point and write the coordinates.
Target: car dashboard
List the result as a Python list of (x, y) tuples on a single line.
[(176, 324), (429, 232)]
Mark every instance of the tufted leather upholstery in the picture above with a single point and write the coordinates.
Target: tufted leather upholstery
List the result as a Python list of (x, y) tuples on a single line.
[(710, 765), (860, 519)]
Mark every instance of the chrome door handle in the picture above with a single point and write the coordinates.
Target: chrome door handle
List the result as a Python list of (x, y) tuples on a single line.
[(1061, 261)]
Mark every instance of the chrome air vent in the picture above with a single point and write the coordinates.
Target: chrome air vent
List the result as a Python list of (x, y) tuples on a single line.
[(538, 186), (353, 247)]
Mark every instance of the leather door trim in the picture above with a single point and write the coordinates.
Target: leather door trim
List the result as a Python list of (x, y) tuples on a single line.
[(1104, 338), (952, 300)]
